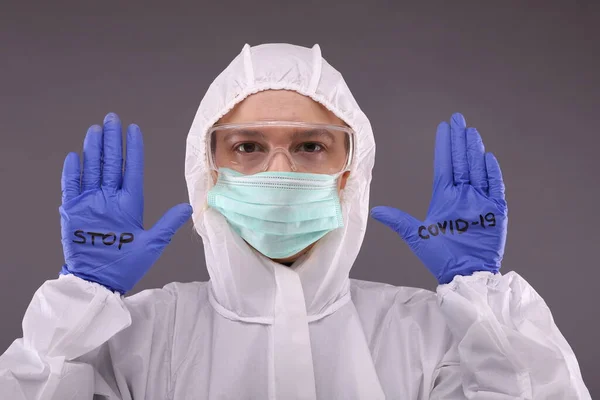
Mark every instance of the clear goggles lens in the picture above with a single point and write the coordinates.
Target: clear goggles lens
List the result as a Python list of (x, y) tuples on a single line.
[(250, 148)]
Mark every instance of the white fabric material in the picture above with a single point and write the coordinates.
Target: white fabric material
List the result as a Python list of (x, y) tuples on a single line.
[(260, 330)]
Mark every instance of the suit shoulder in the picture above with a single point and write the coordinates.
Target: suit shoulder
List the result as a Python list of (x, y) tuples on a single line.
[(380, 304), (174, 295), (384, 294)]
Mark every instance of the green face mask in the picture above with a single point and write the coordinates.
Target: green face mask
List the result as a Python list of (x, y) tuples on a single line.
[(278, 213)]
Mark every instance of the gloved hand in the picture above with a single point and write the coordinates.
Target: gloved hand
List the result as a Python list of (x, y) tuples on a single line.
[(465, 227), (102, 210)]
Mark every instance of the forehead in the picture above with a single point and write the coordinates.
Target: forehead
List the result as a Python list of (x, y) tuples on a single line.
[(284, 105)]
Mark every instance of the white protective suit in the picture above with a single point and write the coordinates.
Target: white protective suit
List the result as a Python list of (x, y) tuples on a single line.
[(261, 330)]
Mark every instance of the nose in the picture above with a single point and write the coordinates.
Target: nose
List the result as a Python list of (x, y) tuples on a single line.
[(280, 162)]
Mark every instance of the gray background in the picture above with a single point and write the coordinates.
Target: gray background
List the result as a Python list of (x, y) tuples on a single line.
[(524, 73)]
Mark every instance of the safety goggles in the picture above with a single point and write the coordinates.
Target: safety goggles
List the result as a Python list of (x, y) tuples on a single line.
[(254, 147)]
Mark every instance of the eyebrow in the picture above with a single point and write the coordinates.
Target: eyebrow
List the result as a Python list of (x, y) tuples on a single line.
[(245, 132), (314, 133), (311, 133)]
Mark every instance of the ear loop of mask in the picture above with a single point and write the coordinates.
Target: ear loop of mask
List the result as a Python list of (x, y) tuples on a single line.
[(347, 167), (210, 162)]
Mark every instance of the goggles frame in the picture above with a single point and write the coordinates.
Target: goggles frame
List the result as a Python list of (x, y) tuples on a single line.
[(284, 124)]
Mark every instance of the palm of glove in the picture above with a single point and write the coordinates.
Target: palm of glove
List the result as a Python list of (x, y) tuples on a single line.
[(103, 235), (466, 224)]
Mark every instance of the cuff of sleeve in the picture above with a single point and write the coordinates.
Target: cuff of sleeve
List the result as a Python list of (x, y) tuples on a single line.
[(485, 278)]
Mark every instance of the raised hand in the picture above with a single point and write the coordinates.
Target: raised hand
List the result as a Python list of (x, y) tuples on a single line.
[(102, 210), (466, 224)]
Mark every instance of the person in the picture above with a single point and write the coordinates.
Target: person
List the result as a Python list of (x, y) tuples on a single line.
[(278, 168)]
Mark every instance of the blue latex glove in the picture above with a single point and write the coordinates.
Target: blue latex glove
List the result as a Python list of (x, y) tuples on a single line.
[(102, 210), (465, 227)]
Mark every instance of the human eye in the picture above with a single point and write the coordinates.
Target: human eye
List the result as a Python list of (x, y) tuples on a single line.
[(247, 147), (311, 147)]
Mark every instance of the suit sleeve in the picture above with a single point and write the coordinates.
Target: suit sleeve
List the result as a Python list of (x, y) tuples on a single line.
[(507, 345), (81, 340)]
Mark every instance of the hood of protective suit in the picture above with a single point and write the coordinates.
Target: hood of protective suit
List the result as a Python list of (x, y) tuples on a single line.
[(245, 284)]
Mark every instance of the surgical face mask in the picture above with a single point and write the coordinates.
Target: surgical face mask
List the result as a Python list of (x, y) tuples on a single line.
[(278, 213)]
